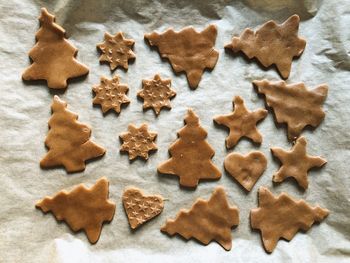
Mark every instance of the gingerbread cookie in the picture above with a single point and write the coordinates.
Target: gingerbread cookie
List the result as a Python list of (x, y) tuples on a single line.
[(68, 140), (206, 220), (191, 155), (272, 44), (246, 169), (140, 208), (293, 104), (241, 122), (138, 141), (187, 50), (116, 50), (282, 216), (156, 93), (82, 208), (110, 94), (296, 163), (53, 56)]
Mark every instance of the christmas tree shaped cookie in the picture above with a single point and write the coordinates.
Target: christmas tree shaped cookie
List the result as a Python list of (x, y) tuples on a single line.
[(187, 50), (206, 220), (272, 44), (296, 163), (293, 104), (191, 155), (116, 50), (140, 208), (53, 56), (68, 140), (242, 123), (282, 217), (82, 208)]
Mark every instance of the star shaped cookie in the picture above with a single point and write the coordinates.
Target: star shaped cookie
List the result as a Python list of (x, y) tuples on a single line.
[(138, 141), (110, 94), (296, 163), (156, 93), (116, 50), (242, 123)]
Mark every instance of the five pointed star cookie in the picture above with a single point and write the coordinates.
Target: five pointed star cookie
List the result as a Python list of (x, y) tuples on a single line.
[(110, 94), (116, 50), (242, 123), (138, 141), (156, 93), (296, 163)]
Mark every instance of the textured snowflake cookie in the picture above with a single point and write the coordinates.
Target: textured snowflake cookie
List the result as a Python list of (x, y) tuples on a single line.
[(187, 50), (296, 163), (293, 104), (82, 208), (282, 217), (110, 94), (68, 140), (246, 169), (116, 50), (140, 208), (156, 93), (191, 155), (53, 56), (242, 123), (206, 220), (272, 44), (138, 141)]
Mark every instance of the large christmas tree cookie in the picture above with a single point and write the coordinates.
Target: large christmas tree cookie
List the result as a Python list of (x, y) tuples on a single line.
[(206, 220), (191, 155), (53, 56), (68, 140), (82, 208)]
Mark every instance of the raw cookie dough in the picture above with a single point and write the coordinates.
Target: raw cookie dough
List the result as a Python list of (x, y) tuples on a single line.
[(206, 220), (53, 56), (140, 208), (187, 50), (82, 208), (272, 44)]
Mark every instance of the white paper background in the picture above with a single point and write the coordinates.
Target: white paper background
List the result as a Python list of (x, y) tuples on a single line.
[(26, 235)]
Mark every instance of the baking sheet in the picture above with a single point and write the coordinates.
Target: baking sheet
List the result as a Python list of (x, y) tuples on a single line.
[(26, 235)]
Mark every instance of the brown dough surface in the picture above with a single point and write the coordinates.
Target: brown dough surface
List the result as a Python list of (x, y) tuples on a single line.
[(246, 169), (282, 216), (241, 122), (138, 141), (296, 163), (68, 140), (293, 104), (187, 50), (141, 208), (156, 93), (110, 94), (116, 50), (206, 220), (53, 56), (82, 208), (272, 44), (191, 155)]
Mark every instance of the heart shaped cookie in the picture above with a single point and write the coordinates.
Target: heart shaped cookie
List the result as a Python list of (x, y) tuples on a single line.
[(140, 208), (246, 169)]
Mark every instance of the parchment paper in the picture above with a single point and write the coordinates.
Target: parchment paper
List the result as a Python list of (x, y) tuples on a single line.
[(26, 235)]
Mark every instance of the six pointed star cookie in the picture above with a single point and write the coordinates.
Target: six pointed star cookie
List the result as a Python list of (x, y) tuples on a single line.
[(242, 123), (110, 94), (156, 93), (138, 141), (116, 50), (296, 163)]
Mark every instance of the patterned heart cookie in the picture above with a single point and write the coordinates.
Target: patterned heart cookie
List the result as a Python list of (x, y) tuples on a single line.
[(246, 169), (140, 208)]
